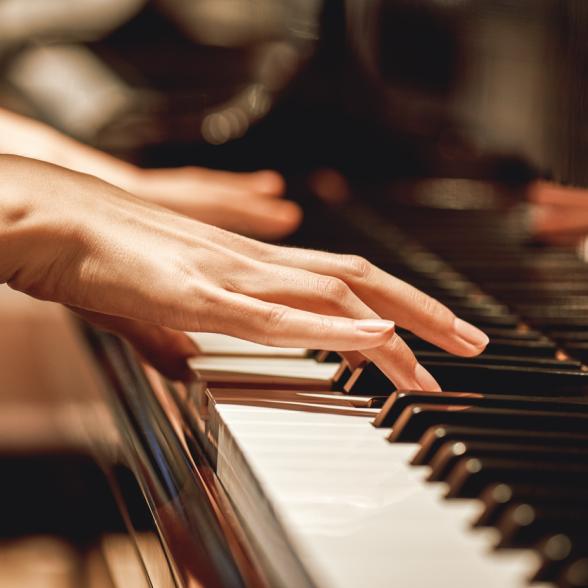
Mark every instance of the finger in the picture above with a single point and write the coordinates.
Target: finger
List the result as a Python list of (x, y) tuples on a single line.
[(552, 220), (390, 297), (281, 326), (398, 362), (548, 193), (167, 350), (331, 296), (264, 182), (260, 217)]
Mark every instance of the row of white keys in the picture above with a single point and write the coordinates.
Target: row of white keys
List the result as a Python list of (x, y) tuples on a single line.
[(353, 510), (231, 360), (217, 344)]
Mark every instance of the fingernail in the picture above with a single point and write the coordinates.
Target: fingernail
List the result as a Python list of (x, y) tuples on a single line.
[(470, 334), (375, 325), (425, 380)]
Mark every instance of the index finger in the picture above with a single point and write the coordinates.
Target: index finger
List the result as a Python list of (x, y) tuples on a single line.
[(393, 299)]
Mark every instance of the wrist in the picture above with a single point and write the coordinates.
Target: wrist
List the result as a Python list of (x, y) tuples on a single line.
[(16, 212)]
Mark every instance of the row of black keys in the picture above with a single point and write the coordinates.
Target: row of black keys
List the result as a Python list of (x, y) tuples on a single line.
[(518, 357), (525, 457), (547, 286)]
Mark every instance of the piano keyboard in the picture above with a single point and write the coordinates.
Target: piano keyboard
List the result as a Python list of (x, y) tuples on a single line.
[(351, 483)]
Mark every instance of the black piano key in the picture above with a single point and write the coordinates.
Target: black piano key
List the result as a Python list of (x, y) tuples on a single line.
[(574, 574), (464, 376), (416, 419), (399, 400), (523, 525), (436, 436), (501, 360), (498, 497), (450, 453), (556, 551), (508, 379), (470, 477), (497, 346)]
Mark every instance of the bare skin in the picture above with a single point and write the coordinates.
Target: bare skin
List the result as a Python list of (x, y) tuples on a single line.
[(247, 203), (149, 273), (559, 213)]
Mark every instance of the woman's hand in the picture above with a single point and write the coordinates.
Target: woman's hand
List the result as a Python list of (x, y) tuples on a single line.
[(248, 203), (74, 239), (559, 214)]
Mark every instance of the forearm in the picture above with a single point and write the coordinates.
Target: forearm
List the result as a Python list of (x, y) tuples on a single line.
[(29, 138)]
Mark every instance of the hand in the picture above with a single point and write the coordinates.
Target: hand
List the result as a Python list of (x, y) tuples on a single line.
[(248, 203), (74, 239), (559, 214)]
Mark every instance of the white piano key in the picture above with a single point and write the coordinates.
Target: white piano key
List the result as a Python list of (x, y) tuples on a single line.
[(217, 344), (264, 369), (352, 509)]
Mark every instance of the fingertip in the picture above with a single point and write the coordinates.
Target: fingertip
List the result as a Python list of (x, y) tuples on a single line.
[(425, 380), (268, 182), (280, 219), (472, 340)]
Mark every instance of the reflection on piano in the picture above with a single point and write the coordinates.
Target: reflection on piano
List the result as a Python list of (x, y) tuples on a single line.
[(287, 467)]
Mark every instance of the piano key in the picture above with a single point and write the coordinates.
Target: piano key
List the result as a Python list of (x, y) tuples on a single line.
[(217, 344), (497, 497), (575, 574), (557, 551), (463, 376), (335, 398), (449, 453), (471, 476), (333, 501), (523, 525), (398, 401), (416, 419), (437, 435), (497, 346), (502, 360), (273, 371)]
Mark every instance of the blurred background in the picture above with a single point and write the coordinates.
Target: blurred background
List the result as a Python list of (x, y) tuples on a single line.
[(384, 87)]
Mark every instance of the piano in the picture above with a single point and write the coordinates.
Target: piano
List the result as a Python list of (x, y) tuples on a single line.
[(288, 467)]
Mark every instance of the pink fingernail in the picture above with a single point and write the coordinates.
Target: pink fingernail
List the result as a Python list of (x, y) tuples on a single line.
[(375, 325), (470, 334), (425, 380)]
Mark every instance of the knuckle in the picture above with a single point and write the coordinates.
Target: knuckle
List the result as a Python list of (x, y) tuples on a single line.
[(274, 321), (357, 267), (324, 326), (434, 310), (334, 289), (401, 352)]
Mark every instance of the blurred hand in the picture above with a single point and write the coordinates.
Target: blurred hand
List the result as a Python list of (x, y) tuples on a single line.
[(559, 214), (248, 203), (77, 240)]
